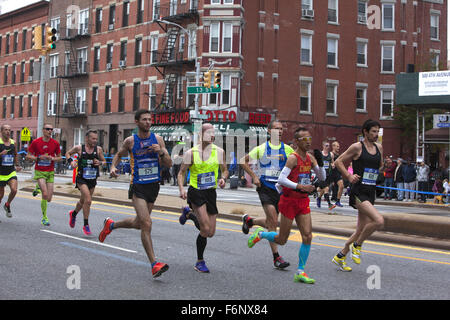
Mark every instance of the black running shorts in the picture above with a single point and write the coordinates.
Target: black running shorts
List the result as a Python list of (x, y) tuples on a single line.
[(361, 193), (268, 196), (91, 183), (200, 197), (148, 191)]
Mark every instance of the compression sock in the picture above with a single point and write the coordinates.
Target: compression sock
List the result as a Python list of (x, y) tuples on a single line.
[(201, 245), (303, 255), (269, 235), (44, 208)]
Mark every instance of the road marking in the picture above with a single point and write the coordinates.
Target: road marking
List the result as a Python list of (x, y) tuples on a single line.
[(90, 241)]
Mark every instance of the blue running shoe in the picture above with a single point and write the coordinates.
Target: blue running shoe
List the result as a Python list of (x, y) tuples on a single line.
[(201, 267), (339, 204), (183, 217)]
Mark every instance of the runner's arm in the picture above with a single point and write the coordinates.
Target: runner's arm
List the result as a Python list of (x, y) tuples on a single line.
[(319, 171), (163, 154), (283, 177), (101, 156), (75, 149), (347, 156), (123, 151)]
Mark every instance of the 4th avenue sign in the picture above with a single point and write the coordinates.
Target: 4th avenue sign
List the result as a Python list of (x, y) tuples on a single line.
[(196, 90)]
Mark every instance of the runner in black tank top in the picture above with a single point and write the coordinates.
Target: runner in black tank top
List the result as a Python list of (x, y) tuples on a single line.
[(367, 162)]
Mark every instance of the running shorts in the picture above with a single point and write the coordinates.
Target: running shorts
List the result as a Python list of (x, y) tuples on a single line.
[(148, 191), (291, 207), (268, 196), (5, 179), (200, 197), (91, 183), (49, 176), (361, 193)]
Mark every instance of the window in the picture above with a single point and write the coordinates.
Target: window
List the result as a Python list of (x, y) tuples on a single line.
[(361, 53), (332, 52), (434, 27), (226, 89), (387, 103), (82, 60), (107, 99), (96, 58), (16, 41), (435, 57), (94, 99), (20, 106), (123, 51), (54, 62), (140, 11), (24, 39), (192, 50), (361, 95), (68, 24), (22, 72), (227, 37), (331, 98), (138, 52), (112, 17), (83, 22), (227, 1), (30, 105), (156, 7), (152, 95), (305, 96), (109, 56), (51, 103), (5, 75), (362, 11), (98, 20), (136, 95), (154, 49), (388, 17), (31, 72), (215, 1), (7, 44), (387, 56), (307, 4), (78, 136), (306, 49), (4, 108), (125, 13), (13, 67), (13, 100), (214, 38), (333, 11), (121, 97), (1, 40)]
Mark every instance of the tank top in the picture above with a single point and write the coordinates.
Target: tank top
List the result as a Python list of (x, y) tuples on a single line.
[(144, 162), (367, 166), (86, 169), (7, 160), (300, 174), (327, 163), (271, 164), (204, 174)]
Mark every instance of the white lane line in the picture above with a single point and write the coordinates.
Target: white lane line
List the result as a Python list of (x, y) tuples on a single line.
[(90, 241)]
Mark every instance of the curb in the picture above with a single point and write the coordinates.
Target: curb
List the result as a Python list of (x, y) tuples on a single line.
[(398, 228)]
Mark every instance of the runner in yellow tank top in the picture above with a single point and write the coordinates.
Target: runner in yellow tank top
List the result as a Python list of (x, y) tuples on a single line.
[(203, 161)]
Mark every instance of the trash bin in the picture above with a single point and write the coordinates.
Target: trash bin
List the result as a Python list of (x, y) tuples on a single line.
[(234, 182)]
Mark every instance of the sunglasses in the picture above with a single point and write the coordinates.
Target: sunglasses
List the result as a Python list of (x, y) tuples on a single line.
[(305, 139), (48, 129)]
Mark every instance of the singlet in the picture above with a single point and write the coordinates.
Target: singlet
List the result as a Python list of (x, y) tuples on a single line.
[(367, 166), (300, 174), (144, 162), (327, 163), (40, 147), (7, 160), (86, 169), (271, 164), (204, 174)]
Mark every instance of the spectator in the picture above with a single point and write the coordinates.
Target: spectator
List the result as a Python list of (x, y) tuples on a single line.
[(398, 179), (446, 187), (423, 172), (389, 170), (438, 188), (409, 178), (233, 164)]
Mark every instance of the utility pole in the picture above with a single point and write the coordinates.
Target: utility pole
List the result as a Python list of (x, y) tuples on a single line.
[(40, 123)]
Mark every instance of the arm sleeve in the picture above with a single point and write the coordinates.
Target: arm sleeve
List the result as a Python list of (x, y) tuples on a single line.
[(320, 173), (284, 181)]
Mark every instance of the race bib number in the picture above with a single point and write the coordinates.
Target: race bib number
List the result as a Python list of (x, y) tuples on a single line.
[(272, 175), (148, 171), (326, 164), (89, 173), (206, 180), (370, 176), (8, 160), (44, 163), (304, 178)]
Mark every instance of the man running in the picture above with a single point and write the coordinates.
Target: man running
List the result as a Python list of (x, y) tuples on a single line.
[(324, 188), (9, 164), (147, 154), (45, 151), (90, 157), (336, 177), (272, 157), (295, 180), (203, 162), (367, 162)]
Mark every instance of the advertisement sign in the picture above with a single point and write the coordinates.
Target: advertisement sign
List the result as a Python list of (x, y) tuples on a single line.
[(434, 83)]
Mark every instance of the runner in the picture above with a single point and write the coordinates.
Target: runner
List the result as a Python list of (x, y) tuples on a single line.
[(147, 153), (295, 182), (323, 189), (203, 162), (336, 177), (271, 157), (367, 162), (90, 157), (9, 164), (45, 151)]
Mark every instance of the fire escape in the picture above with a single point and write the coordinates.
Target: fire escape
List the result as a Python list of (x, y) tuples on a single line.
[(76, 68), (175, 58)]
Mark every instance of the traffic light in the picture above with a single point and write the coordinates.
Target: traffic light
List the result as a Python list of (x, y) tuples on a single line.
[(36, 38), (207, 79), (50, 38), (217, 78)]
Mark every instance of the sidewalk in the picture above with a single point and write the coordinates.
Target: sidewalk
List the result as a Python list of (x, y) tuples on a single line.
[(419, 230)]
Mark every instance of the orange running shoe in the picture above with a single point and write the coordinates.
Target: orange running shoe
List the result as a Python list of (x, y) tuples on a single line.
[(159, 268), (106, 229)]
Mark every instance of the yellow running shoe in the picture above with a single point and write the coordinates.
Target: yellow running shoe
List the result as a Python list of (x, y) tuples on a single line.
[(303, 277), (355, 253), (340, 262)]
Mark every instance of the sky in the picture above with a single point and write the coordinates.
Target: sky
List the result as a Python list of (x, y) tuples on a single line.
[(8, 5)]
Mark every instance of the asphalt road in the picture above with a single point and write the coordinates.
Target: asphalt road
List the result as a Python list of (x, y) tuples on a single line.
[(60, 263)]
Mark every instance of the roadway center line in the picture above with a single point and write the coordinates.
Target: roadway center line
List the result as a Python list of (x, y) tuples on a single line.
[(90, 241)]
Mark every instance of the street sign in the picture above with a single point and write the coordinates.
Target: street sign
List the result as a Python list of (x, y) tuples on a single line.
[(196, 90), (25, 134)]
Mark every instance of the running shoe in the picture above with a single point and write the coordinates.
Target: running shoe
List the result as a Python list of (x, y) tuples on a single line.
[(331, 206), (87, 230), (246, 223), (355, 253), (106, 229), (36, 191), (72, 219), (201, 267), (318, 200), (255, 237), (339, 204), (340, 262), (183, 217), (45, 222), (8, 210), (159, 268), (303, 277), (279, 263)]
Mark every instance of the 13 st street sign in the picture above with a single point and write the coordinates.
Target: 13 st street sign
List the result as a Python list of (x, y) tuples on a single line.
[(196, 90)]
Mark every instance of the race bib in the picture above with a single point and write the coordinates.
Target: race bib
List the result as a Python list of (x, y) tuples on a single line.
[(44, 163), (304, 178), (272, 175), (206, 180), (326, 164), (8, 160), (370, 176), (148, 171), (89, 173)]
